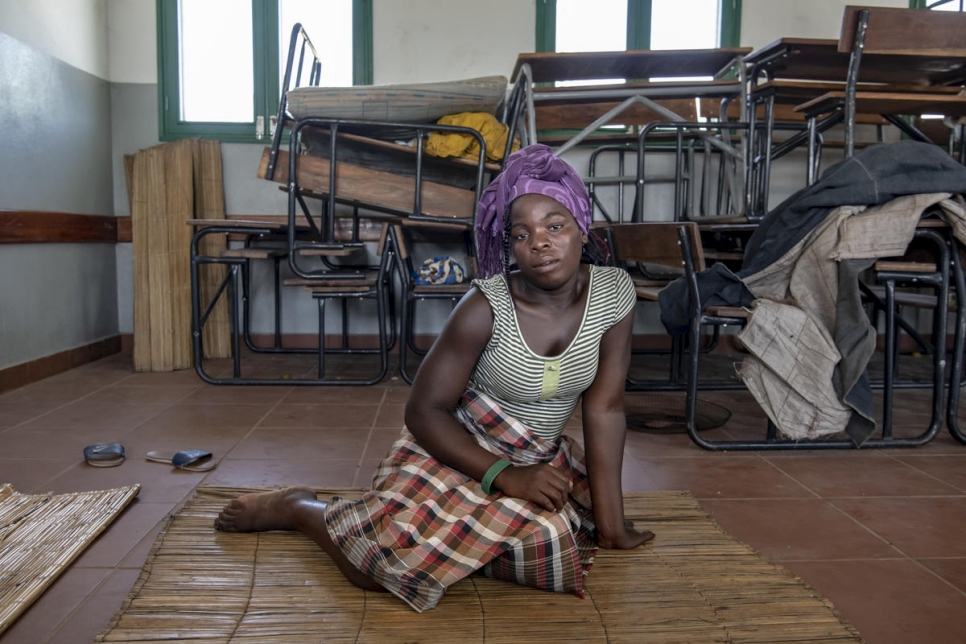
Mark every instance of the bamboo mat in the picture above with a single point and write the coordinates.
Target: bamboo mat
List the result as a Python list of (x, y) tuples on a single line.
[(694, 583), (168, 185), (41, 534)]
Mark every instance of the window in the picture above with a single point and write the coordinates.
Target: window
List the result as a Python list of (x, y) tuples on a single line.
[(937, 5), (221, 62), (609, 25)]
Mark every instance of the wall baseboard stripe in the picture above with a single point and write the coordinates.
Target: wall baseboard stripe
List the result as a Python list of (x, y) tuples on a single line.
[(29, 372), (41, 227)]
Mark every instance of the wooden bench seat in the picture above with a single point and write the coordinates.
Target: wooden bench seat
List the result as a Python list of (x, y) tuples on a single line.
[(253, 253), (888, 103), (350, 282)]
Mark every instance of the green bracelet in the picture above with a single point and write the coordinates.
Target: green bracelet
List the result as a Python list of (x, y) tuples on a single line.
[(492, 473)]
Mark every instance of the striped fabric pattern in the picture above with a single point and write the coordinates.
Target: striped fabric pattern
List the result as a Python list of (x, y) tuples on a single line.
[(512, 373), (424, 526)]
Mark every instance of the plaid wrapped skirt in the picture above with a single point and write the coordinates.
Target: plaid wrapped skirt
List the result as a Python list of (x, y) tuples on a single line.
[(424, 526)]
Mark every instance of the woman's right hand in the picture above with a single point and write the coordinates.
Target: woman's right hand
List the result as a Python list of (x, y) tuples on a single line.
[(543, 484)]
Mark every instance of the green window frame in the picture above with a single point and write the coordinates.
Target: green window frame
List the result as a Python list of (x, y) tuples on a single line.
[(930, 4), (265, 39), (638, 24)]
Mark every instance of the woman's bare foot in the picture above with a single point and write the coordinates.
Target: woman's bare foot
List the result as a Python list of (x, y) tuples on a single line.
[(263, 511)]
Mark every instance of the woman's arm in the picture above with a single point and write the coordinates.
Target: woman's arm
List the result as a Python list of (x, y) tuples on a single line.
[(440, 383), (604, 428), (436, 391)]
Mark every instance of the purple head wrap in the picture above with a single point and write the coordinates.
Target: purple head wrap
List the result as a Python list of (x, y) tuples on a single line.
[(530, 170)]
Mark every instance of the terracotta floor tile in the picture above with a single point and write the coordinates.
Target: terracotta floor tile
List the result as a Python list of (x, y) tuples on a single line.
[(126, 532), (943, 443), (791, 529), (163, 378), (140, 394), (949, 468), (280, 443), (335, 395), (87, 621), (397, 393), (273, 473), (380, 440), (391, 415), (316, 415), (722, 478), (889, 601), (634, 478), (12, 414), (237, 395), (50, 394), (952, 570), (31, 476), (644, 445), (181, 415), (56, 604), (105, 416), (136, 557), (367, 468), (31, 442), (919, 526), (844, 475), (159, 483), (299, 366), (105, 368)]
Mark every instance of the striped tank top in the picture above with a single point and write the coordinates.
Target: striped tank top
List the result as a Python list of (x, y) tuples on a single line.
[(542, 392)]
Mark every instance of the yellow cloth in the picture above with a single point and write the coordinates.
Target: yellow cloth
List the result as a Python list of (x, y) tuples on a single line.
[(448, 144)]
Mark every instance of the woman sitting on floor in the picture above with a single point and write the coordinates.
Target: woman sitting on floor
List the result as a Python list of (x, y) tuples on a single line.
[(482, 477)]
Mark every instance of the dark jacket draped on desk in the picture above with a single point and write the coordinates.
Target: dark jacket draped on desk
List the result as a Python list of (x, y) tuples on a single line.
[(801, 269)]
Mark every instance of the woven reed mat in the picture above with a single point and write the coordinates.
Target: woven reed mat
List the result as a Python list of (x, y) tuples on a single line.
[(694, 583), (41, 534)]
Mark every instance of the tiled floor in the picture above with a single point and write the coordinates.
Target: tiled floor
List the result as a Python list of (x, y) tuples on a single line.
[(881, 533)]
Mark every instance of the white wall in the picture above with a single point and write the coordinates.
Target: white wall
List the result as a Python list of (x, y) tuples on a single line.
[(413, 40), (132, 41), (430, 40), (764, 21), (55, 297), (72, 31), (55, 102)]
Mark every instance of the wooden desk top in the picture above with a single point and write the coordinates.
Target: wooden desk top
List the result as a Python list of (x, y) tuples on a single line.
[(820, 59), (548, 67), (789, 92), (619, 92), (270, 224), (889, 103), (732, 226), (803, 46)]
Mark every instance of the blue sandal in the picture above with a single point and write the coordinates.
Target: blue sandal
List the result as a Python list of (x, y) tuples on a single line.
[(104, 454), (185, 460)]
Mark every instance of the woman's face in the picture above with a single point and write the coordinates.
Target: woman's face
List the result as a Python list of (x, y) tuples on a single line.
[(545, 239)]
